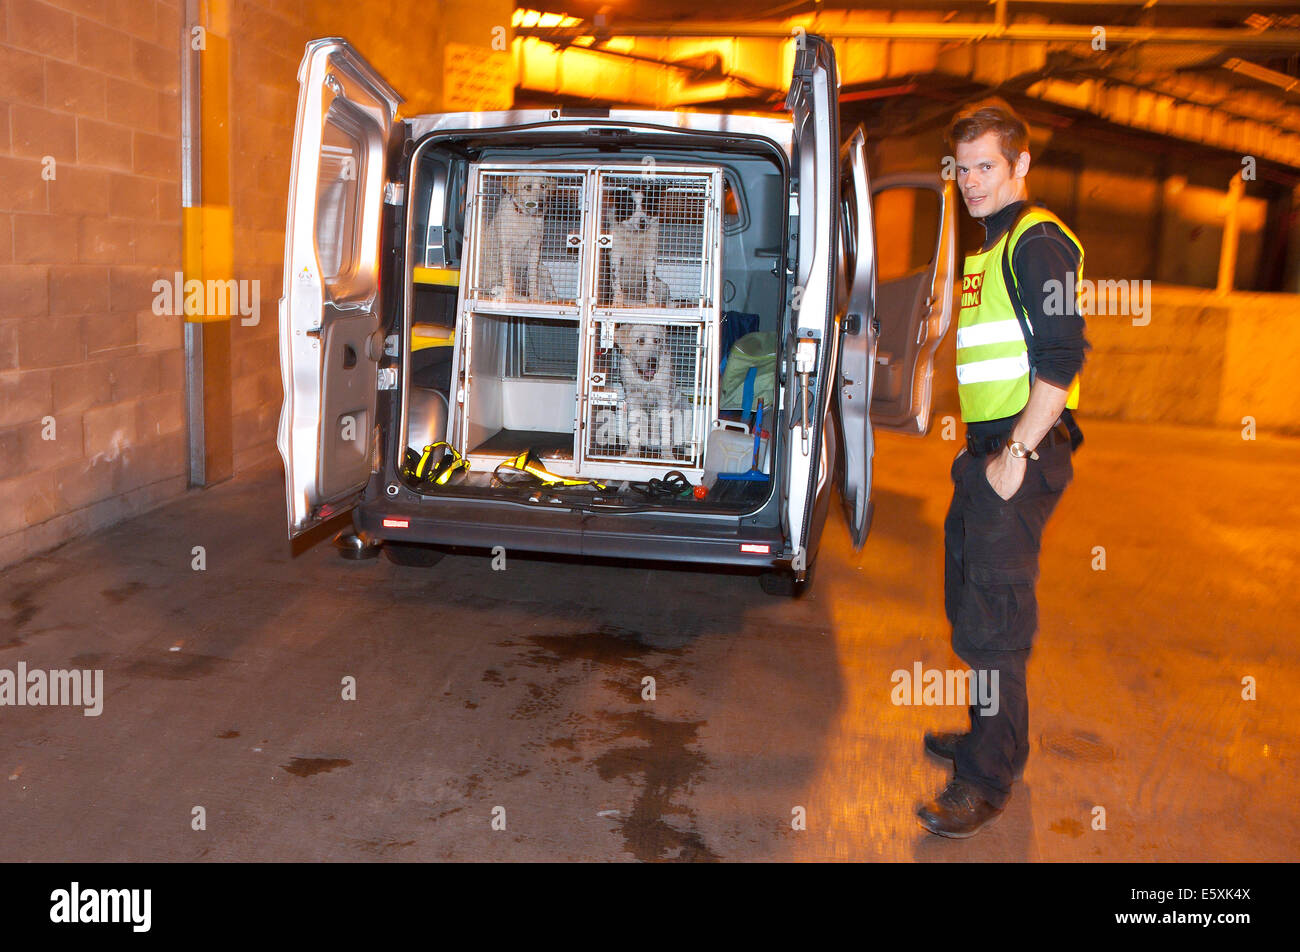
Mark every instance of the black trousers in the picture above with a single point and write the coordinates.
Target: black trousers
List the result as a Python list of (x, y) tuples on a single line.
[(990, 568)]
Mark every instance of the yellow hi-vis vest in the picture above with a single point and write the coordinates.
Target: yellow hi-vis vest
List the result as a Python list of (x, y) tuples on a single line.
[(992, 358)]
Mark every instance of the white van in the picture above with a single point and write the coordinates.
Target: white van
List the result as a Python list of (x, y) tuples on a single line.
[(563, 331)]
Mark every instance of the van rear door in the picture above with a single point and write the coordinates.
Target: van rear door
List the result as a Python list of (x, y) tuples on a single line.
[(330, 337), (810, 344), (890, 328)]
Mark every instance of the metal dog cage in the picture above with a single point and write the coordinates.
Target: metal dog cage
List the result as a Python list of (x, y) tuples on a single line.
[(654, 247), (647, 384), (527, 237), (603, 380)]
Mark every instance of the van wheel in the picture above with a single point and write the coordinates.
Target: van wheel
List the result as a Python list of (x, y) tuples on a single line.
[(413, 554), (781, 582)]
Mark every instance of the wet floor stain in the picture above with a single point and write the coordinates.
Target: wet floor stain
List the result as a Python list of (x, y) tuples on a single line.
[(665, 767), (24, 609), (1067, 825), (310, 766), (227, 735), (177, 666), (606, 645), (121, 593)]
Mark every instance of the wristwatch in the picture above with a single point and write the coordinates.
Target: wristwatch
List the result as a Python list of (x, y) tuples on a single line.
[(1020, 451)]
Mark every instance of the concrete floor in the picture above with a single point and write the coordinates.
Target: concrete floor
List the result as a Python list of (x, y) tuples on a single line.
[(522, 689)]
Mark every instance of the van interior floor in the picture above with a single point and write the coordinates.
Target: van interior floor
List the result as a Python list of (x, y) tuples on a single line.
[(726, 496), (541, 442)]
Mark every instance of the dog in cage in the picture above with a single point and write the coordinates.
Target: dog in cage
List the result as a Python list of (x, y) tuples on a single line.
[(653, 402), (512, 251), (634, 228)]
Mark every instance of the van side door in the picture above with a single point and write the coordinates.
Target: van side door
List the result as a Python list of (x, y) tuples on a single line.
[(330, 337), (915, 222)]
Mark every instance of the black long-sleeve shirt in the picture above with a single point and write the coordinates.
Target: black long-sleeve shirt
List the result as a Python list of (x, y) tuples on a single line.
[(1042, 254)]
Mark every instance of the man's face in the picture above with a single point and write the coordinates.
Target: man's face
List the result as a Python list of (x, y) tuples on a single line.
[(987, 181)]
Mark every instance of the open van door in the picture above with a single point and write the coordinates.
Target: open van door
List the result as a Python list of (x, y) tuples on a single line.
[(915, 220), (810, 344), (330, 337), (857, 334)]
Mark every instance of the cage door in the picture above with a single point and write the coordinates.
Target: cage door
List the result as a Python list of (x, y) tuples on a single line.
[(528, 227)]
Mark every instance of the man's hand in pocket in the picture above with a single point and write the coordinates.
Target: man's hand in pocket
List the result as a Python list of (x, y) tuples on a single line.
[(1005, 473)]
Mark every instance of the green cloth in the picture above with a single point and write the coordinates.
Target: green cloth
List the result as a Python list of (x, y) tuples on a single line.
[(753, 350)]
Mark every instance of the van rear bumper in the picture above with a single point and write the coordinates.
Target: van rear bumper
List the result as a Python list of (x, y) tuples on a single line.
[(604, 535)]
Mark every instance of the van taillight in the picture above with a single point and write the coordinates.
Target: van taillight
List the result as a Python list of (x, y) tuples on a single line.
[(397, 523), (755, 547)]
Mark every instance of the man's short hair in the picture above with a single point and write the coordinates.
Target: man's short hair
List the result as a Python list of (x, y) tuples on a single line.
[(991, 115)]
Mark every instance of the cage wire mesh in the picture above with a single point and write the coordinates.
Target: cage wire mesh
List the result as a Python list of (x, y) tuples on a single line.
[(529, 237), (653, 248), (544, 348), (646, 395)]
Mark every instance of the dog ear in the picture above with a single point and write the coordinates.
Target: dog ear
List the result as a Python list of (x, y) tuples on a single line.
[(622, 336)]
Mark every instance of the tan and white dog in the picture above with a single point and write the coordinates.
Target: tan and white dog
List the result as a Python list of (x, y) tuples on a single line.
[(512, 252), (652, 400)]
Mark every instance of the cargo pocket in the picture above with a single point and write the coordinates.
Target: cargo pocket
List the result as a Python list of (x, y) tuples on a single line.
[(998, 610), (997, 618)]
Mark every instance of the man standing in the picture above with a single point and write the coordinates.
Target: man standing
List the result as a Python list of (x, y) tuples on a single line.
[(1020, 348)]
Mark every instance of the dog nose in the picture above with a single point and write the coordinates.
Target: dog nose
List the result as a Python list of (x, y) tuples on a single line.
[(654, 365), (642, 225)]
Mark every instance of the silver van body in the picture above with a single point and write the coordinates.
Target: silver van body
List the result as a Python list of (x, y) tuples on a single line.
[(375, 200)]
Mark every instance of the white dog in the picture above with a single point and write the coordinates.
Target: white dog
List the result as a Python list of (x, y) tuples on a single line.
[(512, 253), (653, 402), (634, 226)]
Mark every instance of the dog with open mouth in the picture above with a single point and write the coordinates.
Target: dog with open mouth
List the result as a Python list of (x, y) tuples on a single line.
[(512, 265), (654, 403)]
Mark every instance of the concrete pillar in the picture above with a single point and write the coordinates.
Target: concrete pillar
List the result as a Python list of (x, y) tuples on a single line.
[(1228, 252)]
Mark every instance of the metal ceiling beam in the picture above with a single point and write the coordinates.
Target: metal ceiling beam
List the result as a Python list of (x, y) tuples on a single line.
[(1014, 33)]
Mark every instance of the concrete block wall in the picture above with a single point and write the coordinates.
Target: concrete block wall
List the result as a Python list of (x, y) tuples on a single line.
[(91, 408), (267, 41)]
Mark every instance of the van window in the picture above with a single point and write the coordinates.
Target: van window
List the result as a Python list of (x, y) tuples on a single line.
[(340, 170), (907, 219)]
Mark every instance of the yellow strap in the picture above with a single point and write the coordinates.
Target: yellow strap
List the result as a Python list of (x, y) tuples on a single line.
[(525, 462)]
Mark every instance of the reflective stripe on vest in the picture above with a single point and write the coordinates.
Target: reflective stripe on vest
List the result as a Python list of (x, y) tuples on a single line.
[(992, 359)]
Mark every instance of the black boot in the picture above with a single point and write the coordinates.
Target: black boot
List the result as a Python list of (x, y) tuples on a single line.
[(958, 811)]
